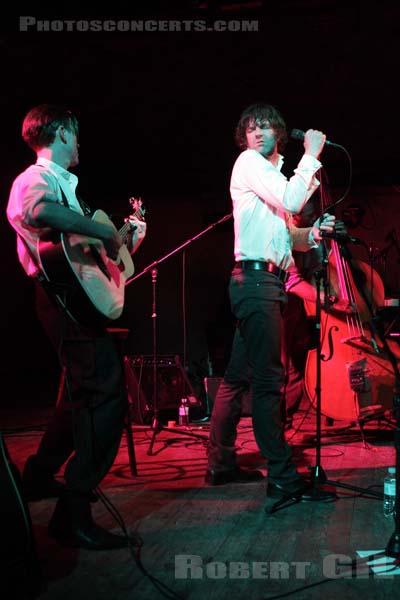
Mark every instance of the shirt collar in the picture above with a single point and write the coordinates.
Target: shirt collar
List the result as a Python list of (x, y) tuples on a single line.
[(281, 160), (279, 163), (57, 169)]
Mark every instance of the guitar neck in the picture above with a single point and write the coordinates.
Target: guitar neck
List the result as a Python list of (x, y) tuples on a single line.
[(123, 232), (127, 226)]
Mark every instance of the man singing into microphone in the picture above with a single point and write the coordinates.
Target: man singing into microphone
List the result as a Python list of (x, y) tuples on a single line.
[(264, 201)]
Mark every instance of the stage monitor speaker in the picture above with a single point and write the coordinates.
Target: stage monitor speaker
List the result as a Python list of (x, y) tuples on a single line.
[(21, 573), (172, 384)]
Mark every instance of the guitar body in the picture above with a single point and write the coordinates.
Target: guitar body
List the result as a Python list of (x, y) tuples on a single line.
[(89, 285)]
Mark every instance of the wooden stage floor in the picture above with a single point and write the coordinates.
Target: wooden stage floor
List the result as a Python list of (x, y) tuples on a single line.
[(209, 543)]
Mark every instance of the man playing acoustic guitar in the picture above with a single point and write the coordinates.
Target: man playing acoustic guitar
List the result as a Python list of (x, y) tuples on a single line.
[(87, 425)]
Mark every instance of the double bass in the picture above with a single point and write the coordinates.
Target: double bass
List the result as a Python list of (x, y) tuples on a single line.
[(357, 374)]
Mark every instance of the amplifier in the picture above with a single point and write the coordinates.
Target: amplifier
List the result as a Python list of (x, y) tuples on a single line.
[(171, 384)]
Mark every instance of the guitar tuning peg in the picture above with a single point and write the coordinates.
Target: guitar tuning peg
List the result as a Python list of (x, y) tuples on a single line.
[(134, 200)]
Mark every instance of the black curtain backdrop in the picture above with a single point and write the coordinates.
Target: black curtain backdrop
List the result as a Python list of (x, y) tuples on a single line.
[(158, 110)]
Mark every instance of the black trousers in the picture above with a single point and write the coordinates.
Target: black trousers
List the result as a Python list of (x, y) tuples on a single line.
[(257, 300), (86, 429)]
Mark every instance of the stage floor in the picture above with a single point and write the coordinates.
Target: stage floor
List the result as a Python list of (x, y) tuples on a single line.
[(203, 543)]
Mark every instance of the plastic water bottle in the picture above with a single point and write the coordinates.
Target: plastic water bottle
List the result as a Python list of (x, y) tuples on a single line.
[(389, 491), (184, 413)]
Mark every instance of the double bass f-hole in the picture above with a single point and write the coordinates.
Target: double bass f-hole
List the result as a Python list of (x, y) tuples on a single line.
[(330, 344)]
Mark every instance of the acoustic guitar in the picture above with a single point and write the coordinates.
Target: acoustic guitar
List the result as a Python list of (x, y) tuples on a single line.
[(76, 270)]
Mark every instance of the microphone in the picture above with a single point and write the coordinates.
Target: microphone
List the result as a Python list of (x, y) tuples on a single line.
[(298, 134)]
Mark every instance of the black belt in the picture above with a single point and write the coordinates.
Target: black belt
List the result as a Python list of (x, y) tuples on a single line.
[(261, 265)]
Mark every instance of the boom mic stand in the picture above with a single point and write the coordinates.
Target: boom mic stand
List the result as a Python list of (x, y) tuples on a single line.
[(157, 424)]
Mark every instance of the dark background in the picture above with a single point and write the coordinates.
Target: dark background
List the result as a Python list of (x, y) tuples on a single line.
[(157, 112)]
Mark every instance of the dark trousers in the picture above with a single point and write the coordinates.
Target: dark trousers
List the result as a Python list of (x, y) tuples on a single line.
[(87, 425), (257, 300)]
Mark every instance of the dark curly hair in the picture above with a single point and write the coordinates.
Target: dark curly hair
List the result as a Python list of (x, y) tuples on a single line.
[(41, 123), (258, 113)]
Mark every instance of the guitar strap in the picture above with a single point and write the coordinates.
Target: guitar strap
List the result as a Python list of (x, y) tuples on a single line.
[(85, 207)]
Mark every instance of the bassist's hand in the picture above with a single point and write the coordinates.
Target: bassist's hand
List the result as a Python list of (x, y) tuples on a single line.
[(326, 223)]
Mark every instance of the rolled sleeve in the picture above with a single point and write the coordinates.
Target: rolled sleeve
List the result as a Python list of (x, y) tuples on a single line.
[(41, 187)]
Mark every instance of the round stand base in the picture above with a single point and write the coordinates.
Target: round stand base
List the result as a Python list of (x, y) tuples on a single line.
[(318, 494)]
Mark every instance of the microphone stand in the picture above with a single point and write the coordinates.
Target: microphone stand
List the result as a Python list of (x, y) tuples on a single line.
[(157, 424), (318, 475), (316, 492)]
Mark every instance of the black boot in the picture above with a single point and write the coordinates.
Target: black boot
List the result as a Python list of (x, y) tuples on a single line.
[(37, 483), (72, 525)]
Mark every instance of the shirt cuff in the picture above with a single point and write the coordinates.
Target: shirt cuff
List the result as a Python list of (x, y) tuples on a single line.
[(310, 162), (311, 241)]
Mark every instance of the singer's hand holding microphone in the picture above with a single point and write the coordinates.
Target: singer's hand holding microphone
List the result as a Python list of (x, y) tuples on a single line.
[(312, 138), (314, 142)]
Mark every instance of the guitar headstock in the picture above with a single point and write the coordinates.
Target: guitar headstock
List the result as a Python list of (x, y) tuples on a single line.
[(138, 208)]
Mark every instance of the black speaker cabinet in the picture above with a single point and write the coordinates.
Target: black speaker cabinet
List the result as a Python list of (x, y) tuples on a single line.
[(20, 570), (172, 384)]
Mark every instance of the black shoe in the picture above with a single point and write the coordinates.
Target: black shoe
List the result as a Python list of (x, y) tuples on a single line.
[(91, 537), (236, 475), (72, 525), (37, 483)]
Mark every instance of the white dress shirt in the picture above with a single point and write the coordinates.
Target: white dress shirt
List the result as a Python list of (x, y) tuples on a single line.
[(263, 200), (43, 180)]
